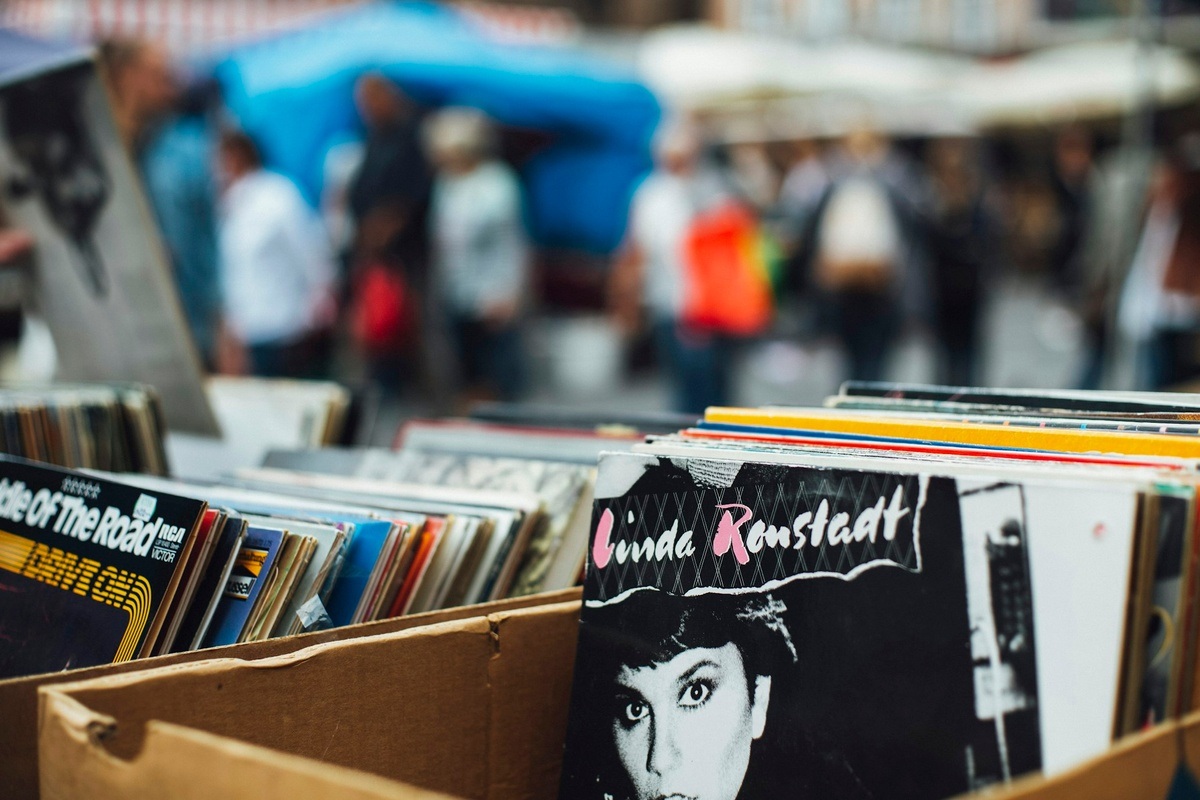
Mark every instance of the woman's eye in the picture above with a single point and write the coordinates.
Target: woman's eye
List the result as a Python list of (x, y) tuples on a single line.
[(695, 693), (636, 710)]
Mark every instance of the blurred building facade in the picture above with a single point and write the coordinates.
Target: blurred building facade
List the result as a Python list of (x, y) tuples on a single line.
[(181, 26), (195, 27), (975, 26)]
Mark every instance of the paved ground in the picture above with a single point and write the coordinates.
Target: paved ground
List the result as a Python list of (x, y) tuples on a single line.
[(1030, 341)]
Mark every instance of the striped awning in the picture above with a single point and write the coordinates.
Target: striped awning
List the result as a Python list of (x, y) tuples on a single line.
[(184, 27), (521, 24), (191, 27)]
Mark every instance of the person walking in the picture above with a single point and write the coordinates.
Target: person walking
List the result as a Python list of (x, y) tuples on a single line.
[(481, 258), (278, 271)]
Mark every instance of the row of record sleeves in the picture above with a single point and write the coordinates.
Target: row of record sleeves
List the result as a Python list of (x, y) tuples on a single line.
[(912, 592), (119, 427), (115, 426), (133, 565)]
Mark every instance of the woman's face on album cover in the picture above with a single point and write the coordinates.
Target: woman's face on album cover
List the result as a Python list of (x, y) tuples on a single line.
[(683, 728)]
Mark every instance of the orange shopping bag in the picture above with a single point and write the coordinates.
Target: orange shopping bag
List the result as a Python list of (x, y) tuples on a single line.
[(729, 282)]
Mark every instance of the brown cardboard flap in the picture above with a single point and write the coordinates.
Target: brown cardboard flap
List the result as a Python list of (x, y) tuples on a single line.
[(384, 704), (531, 678), (182, 763), (474, 708), (19, 702), (1139, 767)]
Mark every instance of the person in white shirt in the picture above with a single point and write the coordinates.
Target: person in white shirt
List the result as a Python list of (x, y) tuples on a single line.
[(650, 274), (277, 270), (480, 253)]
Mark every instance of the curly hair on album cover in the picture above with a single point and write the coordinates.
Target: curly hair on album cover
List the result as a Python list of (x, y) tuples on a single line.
[(673, 697)]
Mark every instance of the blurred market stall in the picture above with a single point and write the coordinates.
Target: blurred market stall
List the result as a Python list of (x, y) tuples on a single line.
[(790, 88), (294, 94), (287, 72), (796, 89), (1074, 83)]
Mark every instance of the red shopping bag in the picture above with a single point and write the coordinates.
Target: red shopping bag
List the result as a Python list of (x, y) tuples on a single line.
[(382, 311)]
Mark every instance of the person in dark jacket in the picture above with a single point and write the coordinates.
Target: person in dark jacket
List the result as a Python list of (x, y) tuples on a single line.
[(962, 244), (389, 194), (388, 201), (863, 254)]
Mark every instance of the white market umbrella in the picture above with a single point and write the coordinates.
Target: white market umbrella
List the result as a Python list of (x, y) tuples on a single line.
[(1095, 80), (698, 67), (798, 88)]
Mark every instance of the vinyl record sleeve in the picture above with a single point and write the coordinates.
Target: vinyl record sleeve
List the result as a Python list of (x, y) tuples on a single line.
[(1175, 404), (192, 574), (247, 581), (102, 280), (367, 541), (993, 435), (765, 630), (432, 535), (211, 590), (87, 566)]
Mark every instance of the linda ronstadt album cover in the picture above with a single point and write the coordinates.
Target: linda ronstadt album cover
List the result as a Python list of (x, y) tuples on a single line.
[(764, 631)]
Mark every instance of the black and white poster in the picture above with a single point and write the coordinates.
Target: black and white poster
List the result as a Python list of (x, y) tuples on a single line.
[(101, 277), (765, 630)]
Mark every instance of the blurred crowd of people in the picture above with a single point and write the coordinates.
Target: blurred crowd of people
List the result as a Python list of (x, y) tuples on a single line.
[(870, 239), (878, 239), (416, 264)]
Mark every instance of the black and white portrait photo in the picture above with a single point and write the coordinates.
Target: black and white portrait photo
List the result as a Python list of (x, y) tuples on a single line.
[(764, 630), (101, 279), (681, 691), (56, 162)]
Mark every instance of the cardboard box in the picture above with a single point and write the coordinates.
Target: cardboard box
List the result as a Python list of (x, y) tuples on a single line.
[(19, 703), (1139, 767), (472, 708), (475, 708)]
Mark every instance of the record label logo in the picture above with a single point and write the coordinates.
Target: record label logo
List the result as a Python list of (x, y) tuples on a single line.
[(145, 507)]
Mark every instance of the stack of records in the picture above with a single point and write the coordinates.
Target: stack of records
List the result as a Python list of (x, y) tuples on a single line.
[(257, 415), (913, 593), (464, 512), (116, 427), (496, 466)]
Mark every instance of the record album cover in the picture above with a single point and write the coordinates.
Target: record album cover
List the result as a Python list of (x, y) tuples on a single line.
[(249, 576), (102, 279), (766, 630), (86, 567)]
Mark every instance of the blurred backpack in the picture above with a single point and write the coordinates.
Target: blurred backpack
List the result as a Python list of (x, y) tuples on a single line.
[(730, 263), (857, 238)]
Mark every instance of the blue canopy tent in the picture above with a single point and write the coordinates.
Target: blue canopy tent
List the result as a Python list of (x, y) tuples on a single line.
[(294, 95)]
